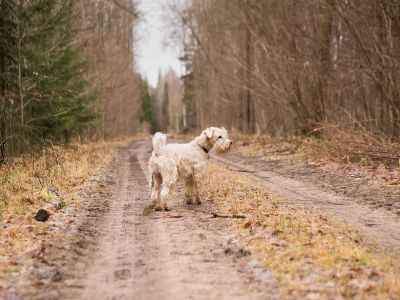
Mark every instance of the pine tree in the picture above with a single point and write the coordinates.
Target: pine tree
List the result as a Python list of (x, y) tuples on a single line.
[(147, 105), (59, 103), (43, 85)]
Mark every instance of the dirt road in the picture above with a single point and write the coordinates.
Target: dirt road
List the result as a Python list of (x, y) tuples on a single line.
[(182, 254), (369, 206)]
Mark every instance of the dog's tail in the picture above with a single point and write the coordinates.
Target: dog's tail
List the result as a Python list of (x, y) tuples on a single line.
[(159, 140)]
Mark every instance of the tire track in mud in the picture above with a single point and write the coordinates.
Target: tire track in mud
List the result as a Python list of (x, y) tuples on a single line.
[(373, 223), (181, 254)]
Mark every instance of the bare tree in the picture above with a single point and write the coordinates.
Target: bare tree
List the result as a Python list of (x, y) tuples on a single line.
[(280, 66)]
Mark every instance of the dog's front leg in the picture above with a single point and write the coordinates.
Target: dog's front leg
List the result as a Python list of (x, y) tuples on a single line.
[(164, 195), (197, 186), (189, 187)]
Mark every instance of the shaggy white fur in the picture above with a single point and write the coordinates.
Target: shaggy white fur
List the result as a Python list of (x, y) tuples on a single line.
[(186, 162)]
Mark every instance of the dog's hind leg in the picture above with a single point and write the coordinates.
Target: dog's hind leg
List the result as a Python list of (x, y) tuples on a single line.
[(155, 189), (168, 182)]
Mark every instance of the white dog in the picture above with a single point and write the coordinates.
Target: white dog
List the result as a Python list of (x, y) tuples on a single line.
[(186, 162)]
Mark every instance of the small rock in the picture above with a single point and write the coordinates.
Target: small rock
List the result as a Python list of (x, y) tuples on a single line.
[(228, 251), (42, 215), (57, 276)]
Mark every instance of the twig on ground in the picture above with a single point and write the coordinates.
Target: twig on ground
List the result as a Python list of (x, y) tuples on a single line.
[(167, 216), (217, 215), (235, 216), (241, 170)]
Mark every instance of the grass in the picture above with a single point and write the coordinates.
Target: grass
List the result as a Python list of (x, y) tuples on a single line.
[(308, 253), (25, 183), (25, 179), (148, 210)]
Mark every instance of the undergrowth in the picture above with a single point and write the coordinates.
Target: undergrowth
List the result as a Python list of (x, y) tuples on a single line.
[(329, 142)]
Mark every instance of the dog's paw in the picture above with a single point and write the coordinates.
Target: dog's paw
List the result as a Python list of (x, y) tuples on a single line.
[(158, 208), (167, 208), (188, 199)]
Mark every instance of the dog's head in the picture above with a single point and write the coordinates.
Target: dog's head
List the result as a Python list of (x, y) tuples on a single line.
[(217, 138)]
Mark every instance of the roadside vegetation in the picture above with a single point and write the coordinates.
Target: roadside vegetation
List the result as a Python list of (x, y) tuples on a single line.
[(32, 182), (375, 156), (329, 142), (308, 253)]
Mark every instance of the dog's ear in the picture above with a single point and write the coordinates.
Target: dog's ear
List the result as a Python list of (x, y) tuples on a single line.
[(208, 132)]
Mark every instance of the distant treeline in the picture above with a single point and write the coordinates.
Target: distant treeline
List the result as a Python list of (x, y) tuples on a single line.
[(66, 71), (284, 66)]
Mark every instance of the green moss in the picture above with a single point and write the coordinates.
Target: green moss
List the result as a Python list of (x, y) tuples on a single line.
[(148, 210)]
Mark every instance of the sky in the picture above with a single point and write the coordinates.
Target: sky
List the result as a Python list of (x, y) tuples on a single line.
[(153, 52)]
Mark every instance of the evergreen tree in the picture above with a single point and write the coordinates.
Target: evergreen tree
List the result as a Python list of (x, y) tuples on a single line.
[(45, 88), (147, 105)]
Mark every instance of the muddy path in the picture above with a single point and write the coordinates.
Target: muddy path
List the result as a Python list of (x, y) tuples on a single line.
[(369, 206), (181, 254)]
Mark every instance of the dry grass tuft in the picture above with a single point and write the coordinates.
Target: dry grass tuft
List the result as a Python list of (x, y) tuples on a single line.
[(309, 254)]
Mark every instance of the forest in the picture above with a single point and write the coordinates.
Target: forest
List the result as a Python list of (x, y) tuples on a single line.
[(270, 67), (200, 149), (283, 67), (66, 72)]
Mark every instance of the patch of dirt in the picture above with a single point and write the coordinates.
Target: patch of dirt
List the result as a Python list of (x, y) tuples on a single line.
[(372, 207), (117, 251)]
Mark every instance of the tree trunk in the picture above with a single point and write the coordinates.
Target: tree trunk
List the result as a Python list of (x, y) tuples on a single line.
[(2, 88), (249, 99)]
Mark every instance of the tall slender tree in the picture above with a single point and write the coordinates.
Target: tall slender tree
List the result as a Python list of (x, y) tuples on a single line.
[(165, 106)]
